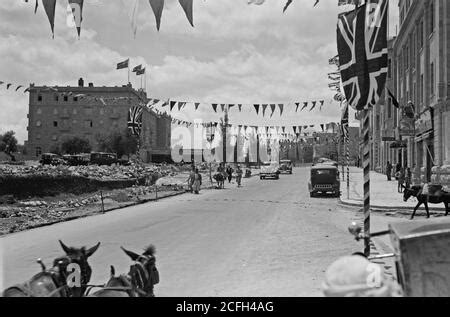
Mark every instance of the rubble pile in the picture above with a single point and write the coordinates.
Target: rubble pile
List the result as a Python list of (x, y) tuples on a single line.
[(104, 173)]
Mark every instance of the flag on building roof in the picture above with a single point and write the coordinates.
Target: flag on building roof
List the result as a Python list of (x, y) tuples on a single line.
[(135, 119), (123, 64), (363, 53), (140, 72), (135, 69)]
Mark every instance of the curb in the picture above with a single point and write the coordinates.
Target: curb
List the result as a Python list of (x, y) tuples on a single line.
[(390, 209)]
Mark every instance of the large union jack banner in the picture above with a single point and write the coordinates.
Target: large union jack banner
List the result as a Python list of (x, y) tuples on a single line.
[(363, 53), (135, 119)]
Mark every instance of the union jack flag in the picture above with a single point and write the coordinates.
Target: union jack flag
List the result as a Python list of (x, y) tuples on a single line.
[(135, 119), (363, 53), (344, 121)]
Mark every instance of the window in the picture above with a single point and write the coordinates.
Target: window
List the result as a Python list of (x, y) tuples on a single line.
[(55, 124), (55, 111), (56, 97), (55, 138), (66, 98), (39, 111), (38, 123), (38, 137), (88, 124), (38, 151), (39, 98), (75, 99)]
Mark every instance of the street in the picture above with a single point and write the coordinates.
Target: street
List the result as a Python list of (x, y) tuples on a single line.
[(268, 238)]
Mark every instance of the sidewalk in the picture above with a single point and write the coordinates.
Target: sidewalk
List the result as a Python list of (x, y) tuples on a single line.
[(383, 194)]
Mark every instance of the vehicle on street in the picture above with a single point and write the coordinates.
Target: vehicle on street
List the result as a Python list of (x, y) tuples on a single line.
[(270, 170), (51, 159), (330, 162), (324, 179), (286, 166)]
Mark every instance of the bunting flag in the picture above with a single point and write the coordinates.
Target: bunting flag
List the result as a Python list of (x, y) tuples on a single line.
[(18, 87), (172, 104), (281, 106), (322, 127), (187, 6), (313, 106), (222, 106), (181, 105), (363, 53), (321, 104), (394, 100), (8, 85), (297, 105), (305, 105), (264, 109), (240, 107), (196, 105), (272, 107), (157, 7), (135, 120), (288, 3), (78, 16), (36, 6), (49, 7), (256, 108), (295, 129), (257, 2), (214, 106)]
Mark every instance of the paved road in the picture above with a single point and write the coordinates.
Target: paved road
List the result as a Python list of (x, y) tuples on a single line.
[(268, 238)]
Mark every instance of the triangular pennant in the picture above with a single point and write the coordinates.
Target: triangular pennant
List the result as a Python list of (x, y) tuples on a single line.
[(222, 106), (196, 105), (77, 15), (157, 7), (284, 129), (297, 105), (256, 108), (313, 105), (281, 106), (214, 105), (187, 6), (172, 104), (322, 126), (240, 107), (305, 105), (181, 105), (36, 6), (264, 109), (321, 104), (49, 7), (272, 107)]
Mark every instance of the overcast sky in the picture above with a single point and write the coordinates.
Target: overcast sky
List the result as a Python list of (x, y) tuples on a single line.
[(237, 53)]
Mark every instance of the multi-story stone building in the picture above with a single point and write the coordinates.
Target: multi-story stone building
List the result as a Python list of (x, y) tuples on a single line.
[(58, 113), (422, 75)]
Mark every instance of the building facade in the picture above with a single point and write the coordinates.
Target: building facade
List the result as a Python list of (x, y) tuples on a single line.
[(417, 136), (59, 113)]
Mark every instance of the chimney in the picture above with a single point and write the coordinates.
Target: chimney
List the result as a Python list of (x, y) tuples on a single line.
[(91, 85), (80, 82)]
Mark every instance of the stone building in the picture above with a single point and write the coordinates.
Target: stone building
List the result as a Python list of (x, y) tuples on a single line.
[(58, 113), (421, 59)]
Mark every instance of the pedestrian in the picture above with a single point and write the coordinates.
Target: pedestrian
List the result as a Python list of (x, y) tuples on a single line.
[(197, 182), (229, 173), (389, 171), (398, 167), (191, 179), (238, 175), (401, 179), (408, 176)]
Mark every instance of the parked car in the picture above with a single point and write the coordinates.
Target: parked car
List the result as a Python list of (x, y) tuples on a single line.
[(286, 166), (270, 170), (77, 160), (101, 158), (51, 159), (324, 179)]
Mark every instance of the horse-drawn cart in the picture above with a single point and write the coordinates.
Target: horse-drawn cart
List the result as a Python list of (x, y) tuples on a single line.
[(422, 256)]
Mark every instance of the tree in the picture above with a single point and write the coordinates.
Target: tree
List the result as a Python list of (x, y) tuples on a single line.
[(8, 144), (121, 143), (76, 145)]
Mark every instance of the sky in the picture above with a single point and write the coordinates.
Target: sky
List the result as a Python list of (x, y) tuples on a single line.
[(236, 54)]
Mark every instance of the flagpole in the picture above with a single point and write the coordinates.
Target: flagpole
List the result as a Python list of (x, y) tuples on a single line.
[(128, 71), (366, 164)]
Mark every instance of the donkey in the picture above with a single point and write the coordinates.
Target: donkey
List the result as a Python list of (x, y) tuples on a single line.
[(220, 179), (54, 282), (438, 197), (140, 280)]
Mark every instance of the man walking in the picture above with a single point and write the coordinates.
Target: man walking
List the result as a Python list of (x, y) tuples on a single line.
[(389, 171), (238, 176), (197, 182), (191, 179), (229, 173)]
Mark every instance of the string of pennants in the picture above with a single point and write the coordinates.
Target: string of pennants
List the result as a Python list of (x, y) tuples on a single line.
[(259, 108), (157, 7)]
